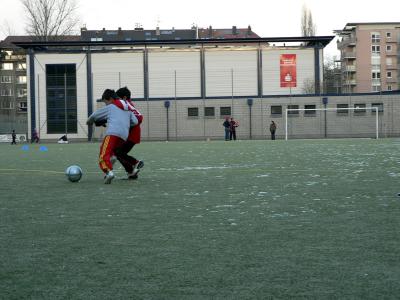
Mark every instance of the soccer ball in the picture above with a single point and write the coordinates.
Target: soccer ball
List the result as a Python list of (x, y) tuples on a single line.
[(73, 173)]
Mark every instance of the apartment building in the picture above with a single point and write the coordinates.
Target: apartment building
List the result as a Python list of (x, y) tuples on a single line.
[(13, 86), (158, 34), (370, 55)]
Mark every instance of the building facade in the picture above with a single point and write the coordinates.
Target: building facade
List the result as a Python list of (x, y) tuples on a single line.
[(370, 55), (66, 78), (13, 92), (13, 85)]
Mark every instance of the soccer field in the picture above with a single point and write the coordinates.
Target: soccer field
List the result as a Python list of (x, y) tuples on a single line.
[(311, 219)]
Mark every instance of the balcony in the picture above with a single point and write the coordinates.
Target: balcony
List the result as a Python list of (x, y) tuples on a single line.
[(376, 81), (350, 82), (349, 55), (390, 40), (391, 53), (391, 80), (15, 57), (349, 69), (391, 67), (347, 42)]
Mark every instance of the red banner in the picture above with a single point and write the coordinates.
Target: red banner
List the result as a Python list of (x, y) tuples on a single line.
[(288, 70)]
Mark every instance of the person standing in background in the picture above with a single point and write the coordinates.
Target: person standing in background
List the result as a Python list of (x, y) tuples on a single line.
[(272, 129), (227, 127), (13, 136), (233, 125), (35, 136)]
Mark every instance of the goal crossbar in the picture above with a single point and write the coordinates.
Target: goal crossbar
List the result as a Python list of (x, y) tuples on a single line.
[(334, 109)]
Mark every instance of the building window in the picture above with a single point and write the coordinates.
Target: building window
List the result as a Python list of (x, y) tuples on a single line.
[(61, 98), (21, 66), (376, 49), (388, 35), (22, 92), (96, 39), (376, 75), (376, 78), (7, 66), (23, 106), (21, 79), (6, 92), (293, 112), (193, 111), (388, 48), (209, 111), (276, 110), (375, 37), (225, 111), (6, 79), (360, 108), (389, 87), (310, 112), (379, 106), (389, 61), (389, 74), (342, 109)]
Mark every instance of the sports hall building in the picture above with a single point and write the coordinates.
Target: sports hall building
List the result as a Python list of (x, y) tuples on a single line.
[(185, 88)]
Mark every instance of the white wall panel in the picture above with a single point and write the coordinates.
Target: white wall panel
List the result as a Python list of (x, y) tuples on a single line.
[(162, 69), (41, 60), (115, 70), (271, 70), (221, 66)]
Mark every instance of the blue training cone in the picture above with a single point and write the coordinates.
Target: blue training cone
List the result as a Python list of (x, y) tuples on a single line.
[(43, 148), (25, 148)]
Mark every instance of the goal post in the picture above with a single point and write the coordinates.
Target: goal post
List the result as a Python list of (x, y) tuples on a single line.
[(321, 127)]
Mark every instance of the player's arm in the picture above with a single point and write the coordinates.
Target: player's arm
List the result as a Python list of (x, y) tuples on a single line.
[(99, 115), (134, 121)]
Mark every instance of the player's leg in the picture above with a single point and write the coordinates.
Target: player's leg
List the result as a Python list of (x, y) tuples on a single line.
[(126, 160), (107, 149)]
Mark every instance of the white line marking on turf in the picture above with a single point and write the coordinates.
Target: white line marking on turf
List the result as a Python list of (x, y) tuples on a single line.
[(39, 171)]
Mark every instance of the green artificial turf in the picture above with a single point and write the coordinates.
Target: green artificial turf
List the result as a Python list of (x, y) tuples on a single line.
[(304, 219)]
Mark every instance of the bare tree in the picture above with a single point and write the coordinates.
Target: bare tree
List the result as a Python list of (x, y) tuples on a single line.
[(50, 19), (308, 86), (7, 28), (332, 75), (308, 27)]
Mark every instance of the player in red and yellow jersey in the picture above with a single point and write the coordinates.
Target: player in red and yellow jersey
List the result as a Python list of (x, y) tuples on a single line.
[(131, 165)]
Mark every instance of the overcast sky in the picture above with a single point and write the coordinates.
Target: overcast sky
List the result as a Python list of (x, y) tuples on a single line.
[(267, 18)]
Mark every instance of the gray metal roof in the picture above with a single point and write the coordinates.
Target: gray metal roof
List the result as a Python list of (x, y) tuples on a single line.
[(308, 40)]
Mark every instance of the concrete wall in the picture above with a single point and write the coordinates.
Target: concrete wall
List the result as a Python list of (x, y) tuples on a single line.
[(183, 127)]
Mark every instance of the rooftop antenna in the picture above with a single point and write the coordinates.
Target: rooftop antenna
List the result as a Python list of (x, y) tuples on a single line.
[(158, 21)]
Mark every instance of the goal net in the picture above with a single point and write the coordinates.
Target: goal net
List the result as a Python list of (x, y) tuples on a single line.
[(349, 122)]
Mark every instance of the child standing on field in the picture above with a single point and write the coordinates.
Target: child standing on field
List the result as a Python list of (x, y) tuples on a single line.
[(35, 136), (119, 122), (14, 137)]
